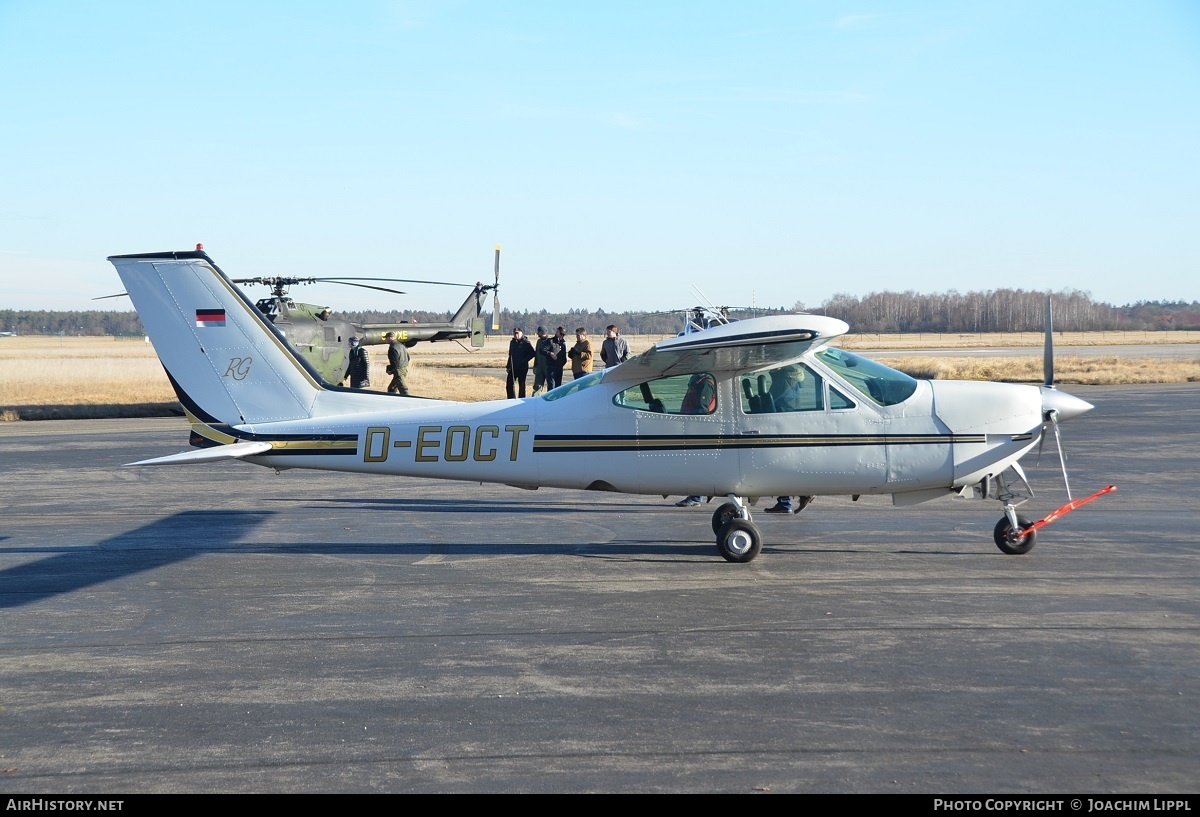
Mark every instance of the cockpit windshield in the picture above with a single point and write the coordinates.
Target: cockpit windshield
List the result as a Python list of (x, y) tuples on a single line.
[(882, 385), (578, 385)]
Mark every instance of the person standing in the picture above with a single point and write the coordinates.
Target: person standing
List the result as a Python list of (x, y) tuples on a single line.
[(557, 358), (580, 354), (615, 350), (541, 363), (520, 352), (359, 368), (398, 360)]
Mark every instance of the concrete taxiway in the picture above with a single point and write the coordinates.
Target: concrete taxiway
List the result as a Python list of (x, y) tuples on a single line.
[(226, 628)]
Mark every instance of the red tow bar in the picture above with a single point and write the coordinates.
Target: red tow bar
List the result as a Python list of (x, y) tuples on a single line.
[(1066, 509)]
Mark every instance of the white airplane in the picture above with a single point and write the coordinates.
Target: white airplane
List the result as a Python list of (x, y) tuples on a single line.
[(761, 407)]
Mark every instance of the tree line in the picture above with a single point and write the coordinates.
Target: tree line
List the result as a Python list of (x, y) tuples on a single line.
[(1002, 310)]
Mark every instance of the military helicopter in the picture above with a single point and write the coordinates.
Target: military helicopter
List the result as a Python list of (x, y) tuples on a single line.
[(322, 338)]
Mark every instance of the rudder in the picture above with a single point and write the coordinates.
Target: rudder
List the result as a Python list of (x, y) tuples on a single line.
[(221, 353)]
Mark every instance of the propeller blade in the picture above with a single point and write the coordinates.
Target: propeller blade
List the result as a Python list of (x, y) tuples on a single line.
[(1062, 458), (1048, 351), (496, 295)]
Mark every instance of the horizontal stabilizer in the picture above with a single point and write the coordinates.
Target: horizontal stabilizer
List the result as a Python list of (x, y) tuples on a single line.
[(223, 452)]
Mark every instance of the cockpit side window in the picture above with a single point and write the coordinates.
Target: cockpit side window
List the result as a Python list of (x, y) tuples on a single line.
[(681, 394), (837, 400), (884, 386), (794, 387)]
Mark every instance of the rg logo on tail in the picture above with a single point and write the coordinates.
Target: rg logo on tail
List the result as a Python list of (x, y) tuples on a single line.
[(238, 368)]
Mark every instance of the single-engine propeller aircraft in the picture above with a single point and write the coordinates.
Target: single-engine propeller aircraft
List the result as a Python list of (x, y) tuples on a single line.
[(761, 407)]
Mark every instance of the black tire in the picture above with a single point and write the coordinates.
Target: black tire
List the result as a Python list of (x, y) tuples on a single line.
[(739, 541), (1010, 544), (723, 515)]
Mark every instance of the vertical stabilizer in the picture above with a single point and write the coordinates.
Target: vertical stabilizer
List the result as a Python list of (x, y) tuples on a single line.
[(227, 363)]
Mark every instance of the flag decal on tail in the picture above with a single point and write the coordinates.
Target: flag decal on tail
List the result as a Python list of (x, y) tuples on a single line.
[(210, 317)]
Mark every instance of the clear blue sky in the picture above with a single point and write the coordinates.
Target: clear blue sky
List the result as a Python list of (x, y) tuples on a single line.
[(620, 152)]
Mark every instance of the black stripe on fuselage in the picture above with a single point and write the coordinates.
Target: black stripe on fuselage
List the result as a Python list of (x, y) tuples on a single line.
[(550, 443), (210, 435)]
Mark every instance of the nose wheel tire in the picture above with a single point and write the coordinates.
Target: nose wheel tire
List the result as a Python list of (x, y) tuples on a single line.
[(739, 541), (723, 515), (1009, 542)]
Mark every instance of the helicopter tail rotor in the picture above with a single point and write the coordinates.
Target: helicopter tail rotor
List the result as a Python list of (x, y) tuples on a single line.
[(496, 294)]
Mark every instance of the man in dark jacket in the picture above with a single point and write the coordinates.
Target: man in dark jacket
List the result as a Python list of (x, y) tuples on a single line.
[(541, 364), (397, 365), (359, 369), (520, 352), (557, 357), (614, 350)]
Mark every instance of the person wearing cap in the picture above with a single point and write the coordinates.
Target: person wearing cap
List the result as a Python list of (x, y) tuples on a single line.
[(397, 365), (359, 368), (541, 364), (557, 358), (787, 393), (581, 354), (520, 352)]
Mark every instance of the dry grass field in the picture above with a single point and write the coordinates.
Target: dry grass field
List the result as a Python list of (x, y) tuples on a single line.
[(79, 377)]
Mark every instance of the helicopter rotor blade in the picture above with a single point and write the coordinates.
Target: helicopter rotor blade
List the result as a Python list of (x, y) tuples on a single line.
[(398, 281), (340, 279), (366, 286), (275, 281), (118, 295)]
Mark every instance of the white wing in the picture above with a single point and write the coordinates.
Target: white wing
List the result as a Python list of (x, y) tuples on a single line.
[(750, 344)]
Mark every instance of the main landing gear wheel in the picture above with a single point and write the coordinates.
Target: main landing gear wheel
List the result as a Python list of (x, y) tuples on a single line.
[(1009, 542), (723, 515), (739, 541)]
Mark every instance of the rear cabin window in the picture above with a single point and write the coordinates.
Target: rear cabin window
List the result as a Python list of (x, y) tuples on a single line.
[(681, 394)]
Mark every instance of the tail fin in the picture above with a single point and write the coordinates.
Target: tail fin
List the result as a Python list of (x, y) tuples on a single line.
[(470, 308), (226, 362)]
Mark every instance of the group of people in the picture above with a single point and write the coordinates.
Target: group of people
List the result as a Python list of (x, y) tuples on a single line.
[(550, 355), (358, 369)]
